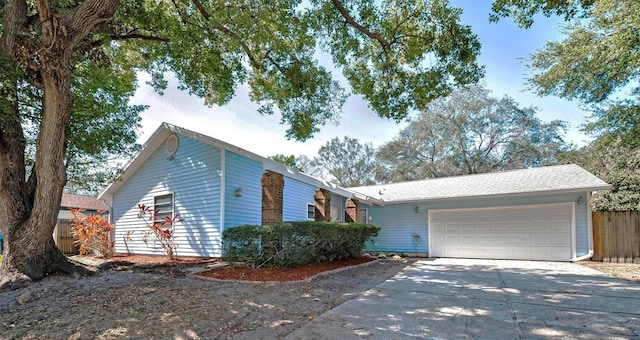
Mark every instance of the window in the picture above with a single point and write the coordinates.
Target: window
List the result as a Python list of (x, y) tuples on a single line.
[(363, 216), (163, 205), (311, 212)]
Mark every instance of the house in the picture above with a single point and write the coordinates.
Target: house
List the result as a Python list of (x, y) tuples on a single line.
[(213, 185), (538, 214), (89, 205), (62, 232), (531, 214)]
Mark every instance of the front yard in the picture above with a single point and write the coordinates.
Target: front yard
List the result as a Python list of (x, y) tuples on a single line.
[(153, 302)]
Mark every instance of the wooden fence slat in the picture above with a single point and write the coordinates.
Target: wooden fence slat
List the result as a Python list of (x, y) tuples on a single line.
[(616, 236), (64, 238), (598, 238), (635, 239)]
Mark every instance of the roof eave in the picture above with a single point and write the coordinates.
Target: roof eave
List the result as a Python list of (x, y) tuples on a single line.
[(506, 195)]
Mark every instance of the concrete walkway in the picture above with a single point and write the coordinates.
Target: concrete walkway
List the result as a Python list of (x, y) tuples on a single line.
[(486, 299)]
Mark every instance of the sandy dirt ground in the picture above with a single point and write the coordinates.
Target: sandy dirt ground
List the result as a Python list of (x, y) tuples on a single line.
[(163, 302)]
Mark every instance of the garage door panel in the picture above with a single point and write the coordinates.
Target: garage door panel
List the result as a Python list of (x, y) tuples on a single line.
[(452, 227), (468, 226), (536, 232), (452, 239), (522, 240)]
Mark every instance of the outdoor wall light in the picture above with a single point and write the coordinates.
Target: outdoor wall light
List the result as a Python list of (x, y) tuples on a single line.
[(239, 192), (580, 200), (417, 210)]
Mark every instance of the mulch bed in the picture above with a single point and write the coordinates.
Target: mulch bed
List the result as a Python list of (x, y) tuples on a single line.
[(263, 274), (236, 272)]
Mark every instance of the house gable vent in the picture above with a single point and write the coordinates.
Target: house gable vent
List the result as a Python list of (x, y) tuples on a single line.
[(172, 145)]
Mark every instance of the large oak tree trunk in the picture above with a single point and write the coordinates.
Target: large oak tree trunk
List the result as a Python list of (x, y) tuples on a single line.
[(29, 207)]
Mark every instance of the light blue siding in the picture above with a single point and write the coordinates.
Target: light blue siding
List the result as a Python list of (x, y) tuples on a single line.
[(194, 178), (582, 225), (400, 222), (297, 196), (245, 173)]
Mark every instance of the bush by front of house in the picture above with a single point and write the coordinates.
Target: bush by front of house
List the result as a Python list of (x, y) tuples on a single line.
[(289, 244)]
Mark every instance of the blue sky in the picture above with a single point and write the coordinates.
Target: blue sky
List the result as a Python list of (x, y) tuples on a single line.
[(238, 123)]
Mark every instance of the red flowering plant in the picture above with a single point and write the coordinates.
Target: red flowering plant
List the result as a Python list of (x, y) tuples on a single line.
[(162, 230), (92, 233)]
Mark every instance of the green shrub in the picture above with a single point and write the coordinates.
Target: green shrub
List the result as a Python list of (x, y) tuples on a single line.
[(382, 256), (289, 244)]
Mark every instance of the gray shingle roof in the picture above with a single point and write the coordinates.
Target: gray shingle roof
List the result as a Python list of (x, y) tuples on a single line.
[(559, 178), (82, 202)]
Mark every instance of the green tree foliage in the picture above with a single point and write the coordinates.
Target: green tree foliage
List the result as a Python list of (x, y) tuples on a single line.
[(286, 160), (306, 165), (102, 132), (398, 55), (618, 165), (67, 70), (469, 132), (597, 62), (523, 11), (347, 162)]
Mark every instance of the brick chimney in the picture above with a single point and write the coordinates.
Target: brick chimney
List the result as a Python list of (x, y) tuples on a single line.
[(352, 205), (323, 205), (272, 197)]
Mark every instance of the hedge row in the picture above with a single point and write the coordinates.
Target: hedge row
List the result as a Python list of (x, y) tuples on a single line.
[(289, 244)]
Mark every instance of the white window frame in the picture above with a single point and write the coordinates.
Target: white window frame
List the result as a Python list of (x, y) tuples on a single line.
[(365, 215), (313, 206), (155, 206)]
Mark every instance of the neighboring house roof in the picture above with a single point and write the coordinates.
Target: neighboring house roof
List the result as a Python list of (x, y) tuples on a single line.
[(549, 179), (73, 201), (158, 138)]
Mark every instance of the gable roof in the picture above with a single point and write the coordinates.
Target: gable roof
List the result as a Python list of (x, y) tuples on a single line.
[(158, 138), (72, 201), (549, 179)]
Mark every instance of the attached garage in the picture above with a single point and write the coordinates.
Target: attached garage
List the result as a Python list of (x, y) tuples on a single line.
[(526, 232), (529, 214)]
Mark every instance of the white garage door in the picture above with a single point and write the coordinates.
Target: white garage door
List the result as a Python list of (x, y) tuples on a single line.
[(532, 232)]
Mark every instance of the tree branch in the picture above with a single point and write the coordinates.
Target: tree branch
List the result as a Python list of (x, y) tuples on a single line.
[(351, 21), (86, 16), (205, 14), (201, 9), (137, 36), (43, 10)]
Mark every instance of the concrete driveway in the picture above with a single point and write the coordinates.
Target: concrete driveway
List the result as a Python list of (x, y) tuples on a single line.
[(486, 299)]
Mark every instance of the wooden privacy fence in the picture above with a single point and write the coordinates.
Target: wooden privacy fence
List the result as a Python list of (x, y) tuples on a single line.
[(64, 238), (616, 236)]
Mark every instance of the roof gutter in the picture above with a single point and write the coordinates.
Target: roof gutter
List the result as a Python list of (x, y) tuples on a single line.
[(457, 198)]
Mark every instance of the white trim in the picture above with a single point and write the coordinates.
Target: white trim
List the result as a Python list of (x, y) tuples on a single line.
[(573, 230), (366, 215), (589, 222), (307, 211), (568, 204), (164, 130), (223, 184), (480, 197), (173, 203)]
